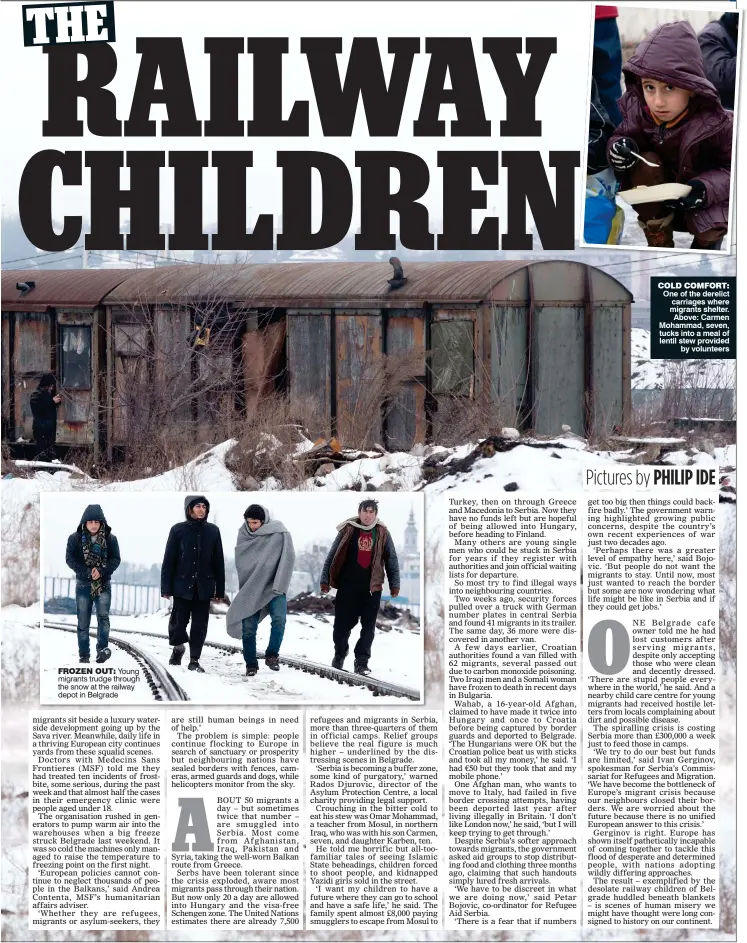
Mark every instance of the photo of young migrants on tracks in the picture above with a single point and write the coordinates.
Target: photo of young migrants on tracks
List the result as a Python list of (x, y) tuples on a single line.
[(671, 154), (273, 566)]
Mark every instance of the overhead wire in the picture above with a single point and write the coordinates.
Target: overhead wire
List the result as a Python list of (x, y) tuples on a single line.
[(50, 262), (31, 258)]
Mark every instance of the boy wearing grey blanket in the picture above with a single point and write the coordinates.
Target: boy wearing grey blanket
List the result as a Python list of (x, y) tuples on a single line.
[(264, 564)]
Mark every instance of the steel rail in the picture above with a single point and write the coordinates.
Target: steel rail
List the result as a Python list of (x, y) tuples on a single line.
[(162, 685), (377, 687)]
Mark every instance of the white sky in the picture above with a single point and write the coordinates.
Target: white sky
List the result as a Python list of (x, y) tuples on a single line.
[(563, 128), (141, 520)]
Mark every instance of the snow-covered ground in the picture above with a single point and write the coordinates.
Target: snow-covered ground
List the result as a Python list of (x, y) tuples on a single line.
[(397, 657), (633, 234), (648, 374)]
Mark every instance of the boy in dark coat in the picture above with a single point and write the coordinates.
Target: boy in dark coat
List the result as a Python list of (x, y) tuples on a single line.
[(44, 402), (355, 565), (672, 116), (193, 572), (93, 554), (719, 42)]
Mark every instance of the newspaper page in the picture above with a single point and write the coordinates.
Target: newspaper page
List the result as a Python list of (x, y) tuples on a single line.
[(369, 511)]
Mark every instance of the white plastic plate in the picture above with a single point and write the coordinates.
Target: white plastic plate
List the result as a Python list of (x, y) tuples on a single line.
[(655, 194)]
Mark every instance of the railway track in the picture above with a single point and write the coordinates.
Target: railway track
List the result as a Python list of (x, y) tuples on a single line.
[(377, 687), (163, 687)]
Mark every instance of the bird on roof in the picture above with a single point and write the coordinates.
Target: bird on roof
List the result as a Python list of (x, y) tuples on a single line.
[(399, 275)]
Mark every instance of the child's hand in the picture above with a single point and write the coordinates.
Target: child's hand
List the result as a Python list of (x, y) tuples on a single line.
[(623, 154), (696, 198)]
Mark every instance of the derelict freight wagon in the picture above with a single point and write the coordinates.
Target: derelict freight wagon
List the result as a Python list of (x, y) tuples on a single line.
[(546, 342)]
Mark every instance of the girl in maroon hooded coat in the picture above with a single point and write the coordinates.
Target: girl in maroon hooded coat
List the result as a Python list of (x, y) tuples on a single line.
[(673, 118)]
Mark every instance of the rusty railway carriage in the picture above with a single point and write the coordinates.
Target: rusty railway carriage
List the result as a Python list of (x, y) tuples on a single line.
[(548, 341)]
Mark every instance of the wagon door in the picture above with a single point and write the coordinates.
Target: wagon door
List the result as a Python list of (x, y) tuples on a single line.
[(405, 350), (361, 381), (558, 356), (32, 356), (455, 381), (129, 345), (608, 367), (309, 357), (78, 358), (510, 363)]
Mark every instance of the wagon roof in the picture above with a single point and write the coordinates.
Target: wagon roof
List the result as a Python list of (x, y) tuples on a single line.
[(323, 284), (59, 288)]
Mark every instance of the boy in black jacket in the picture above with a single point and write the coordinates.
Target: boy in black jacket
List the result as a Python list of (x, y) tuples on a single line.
[(193, 572), (93, 553), (44, 402)]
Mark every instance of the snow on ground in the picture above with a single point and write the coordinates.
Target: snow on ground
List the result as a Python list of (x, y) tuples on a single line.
[(633, 234), (207, 472), (532, 464), (397, 657), (647, 374), (532, 469), (14, 854)]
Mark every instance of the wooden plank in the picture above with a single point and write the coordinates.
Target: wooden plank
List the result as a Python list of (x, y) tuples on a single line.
[(607, 370), (309, 357), (360, 387), (6, 371), (172, 360), (510, 362), (405, 420), (558, 375), (75, 418), (32, 350), (32, 356), (261, 355)]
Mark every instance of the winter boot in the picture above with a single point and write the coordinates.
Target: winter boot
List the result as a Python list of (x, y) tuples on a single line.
[(272, 662), (361, 668), (194, 665), (338, 661), (177, 653), (103, 655), (251, 670), (84, 659), (703, 245), (659, 233)]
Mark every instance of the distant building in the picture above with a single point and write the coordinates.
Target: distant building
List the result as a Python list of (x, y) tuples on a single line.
[(409, 564)]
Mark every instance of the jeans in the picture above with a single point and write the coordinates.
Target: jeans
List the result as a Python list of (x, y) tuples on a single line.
[(277, 609), (85, 603)]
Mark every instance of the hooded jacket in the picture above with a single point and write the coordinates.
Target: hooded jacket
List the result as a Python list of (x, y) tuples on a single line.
[(384, 557), (698, 145), (718, 44), (193, 559), (74, 552), (44, 408), (264, 564)]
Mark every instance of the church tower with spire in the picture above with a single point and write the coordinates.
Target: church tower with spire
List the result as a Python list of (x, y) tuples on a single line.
[(409, 563)]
